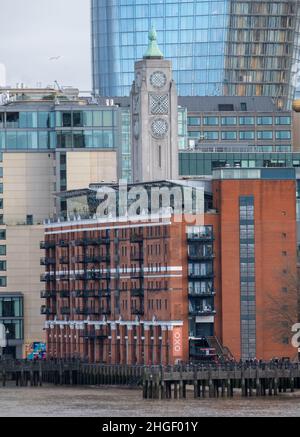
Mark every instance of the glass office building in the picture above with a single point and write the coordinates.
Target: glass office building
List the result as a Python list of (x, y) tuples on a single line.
[(225, 47)]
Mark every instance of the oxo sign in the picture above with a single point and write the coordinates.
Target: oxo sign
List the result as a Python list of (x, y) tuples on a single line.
[(177, 342)]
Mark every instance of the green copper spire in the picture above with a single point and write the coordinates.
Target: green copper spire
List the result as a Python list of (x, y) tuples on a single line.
[(153, 51)]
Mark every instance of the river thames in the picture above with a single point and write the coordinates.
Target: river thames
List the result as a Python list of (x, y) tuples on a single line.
[(49, 401)]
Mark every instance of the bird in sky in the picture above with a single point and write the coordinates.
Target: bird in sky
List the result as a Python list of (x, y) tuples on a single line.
[(54, 58)]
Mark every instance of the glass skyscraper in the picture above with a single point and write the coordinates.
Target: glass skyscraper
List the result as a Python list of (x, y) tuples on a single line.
[(224, 47)]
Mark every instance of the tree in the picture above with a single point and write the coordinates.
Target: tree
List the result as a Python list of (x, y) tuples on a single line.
[(284, 308)]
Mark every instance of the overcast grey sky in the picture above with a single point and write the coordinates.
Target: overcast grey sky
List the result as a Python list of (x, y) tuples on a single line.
[(32, 31)]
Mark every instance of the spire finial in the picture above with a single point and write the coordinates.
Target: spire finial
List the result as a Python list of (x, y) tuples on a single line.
[(153, 51)]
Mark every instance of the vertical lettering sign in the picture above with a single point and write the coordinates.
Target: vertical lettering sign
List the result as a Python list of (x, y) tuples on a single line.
[(177, 342)]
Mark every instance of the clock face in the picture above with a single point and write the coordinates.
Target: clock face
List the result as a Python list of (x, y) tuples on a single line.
[(159, 127), (159, 104), (158, 79)]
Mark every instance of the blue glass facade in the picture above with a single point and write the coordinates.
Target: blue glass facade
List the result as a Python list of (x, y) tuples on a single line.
[(224, 47), (191, 33)]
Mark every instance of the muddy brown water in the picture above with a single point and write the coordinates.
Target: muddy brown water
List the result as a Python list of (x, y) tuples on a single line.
[(49, 401)]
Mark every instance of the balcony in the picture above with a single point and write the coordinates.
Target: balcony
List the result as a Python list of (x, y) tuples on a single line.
[(81, 311), (137, 292), (137, 275), (64, 260), (48, 294), (47, 244), (64, 293), (105, 311), (201, 312), (47, 311), (137, 311), (47, 261), (137, 257), (92, 259), (92, 241), (63, 243), (65, 311), (136, 238), (207, 236), (200, 257), (46, 277), (207, 293), (203, 275), (92, 293)]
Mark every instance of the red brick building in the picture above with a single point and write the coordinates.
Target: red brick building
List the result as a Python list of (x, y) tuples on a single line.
[(144, 292)]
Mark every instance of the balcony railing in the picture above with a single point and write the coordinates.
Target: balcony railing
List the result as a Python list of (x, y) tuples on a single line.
[(137, 257), (201, 312), (201, 257), (92, 293), (137, 238), (201, 275), (92, 259), (204, 237), (137, 311), (137, 274), (46, 277), (47, 311), (202, 294), (137, 292), (66, 311), (48, 294), (92, 311), (47, 244), (63, 243), (64, 293), (92, 241), (47, 261), (64, 260)]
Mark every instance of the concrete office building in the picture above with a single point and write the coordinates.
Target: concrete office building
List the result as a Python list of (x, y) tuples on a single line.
[(50, 141), (224, 47)]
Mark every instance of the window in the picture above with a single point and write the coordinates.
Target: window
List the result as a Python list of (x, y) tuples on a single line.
[(66, 119), (12, 120), (29, 220), (2, 250), (265, 135), (77, 119), (14, 329), (2, 266), (229, 135), (45, 119), (243, 106), (211, 121), (1, 219), (194, 121), (265, 120), (228, 121), (3, 281), (247, 135), (246, 121), (211, 135), (1, 203), (283, 135), (283, 120), (226, 107), (2, 234)]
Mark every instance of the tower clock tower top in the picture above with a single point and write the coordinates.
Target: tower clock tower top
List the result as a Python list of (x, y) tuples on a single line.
[(153, 51)]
